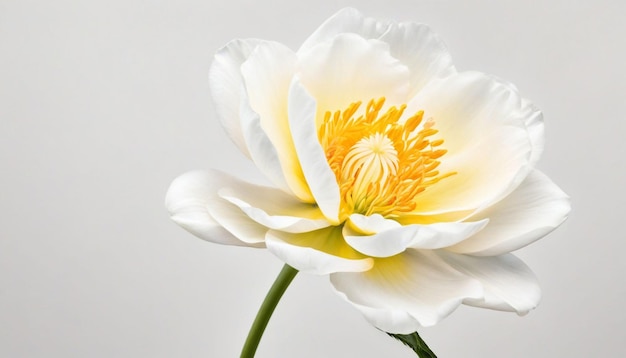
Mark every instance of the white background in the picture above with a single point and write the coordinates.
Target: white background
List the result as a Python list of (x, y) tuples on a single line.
[(103, 103)]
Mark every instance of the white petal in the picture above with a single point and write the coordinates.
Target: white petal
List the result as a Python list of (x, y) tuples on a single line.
[(390, 239), (347, 20), (267, 74), (319, 252), (274, 209), (320, 177), (534, 209), (421, 50), (536, 130), (371, 224), (192, 202), (482, 121), (440, 235), (379, 243), (348, 69), (262, 151), (401, 293), (415, 45), (237, 222), (508, 283), (225, 82)]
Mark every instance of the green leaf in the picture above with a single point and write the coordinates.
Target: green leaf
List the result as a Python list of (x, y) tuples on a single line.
[(416, 343)]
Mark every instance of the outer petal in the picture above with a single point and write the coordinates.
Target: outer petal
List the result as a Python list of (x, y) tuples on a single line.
[(348, 69), (319, 252), (389, 238), (193, 202), (508, 283), (371, 224), (347, 20), (267, 74), (274, 209), (415, 45), (225, 82), (401, 293), (421, 50), (320, 177), (534, 209), (483, 123), (536, 131), (262, 151)]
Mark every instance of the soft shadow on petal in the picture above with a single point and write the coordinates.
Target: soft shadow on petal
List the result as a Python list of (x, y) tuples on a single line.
[(262, 151), (370, 224), (444, 217), (225, 83), (348, 69), (318, 252), (536, 131), (482, 121), (421, 50), (192, 202), (389, 238), (373, 243), (440, 235), (401, 293), (273, 208), (347, 20), (508, 283), (533, 210), (267, 74), (321, 179), (415, 45)]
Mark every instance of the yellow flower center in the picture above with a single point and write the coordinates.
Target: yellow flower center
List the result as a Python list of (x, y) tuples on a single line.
[(380, 163)]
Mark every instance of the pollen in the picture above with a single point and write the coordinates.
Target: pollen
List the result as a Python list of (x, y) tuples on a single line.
[(380, 161)]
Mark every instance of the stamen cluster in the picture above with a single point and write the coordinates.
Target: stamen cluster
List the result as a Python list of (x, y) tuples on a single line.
[(381, 163)]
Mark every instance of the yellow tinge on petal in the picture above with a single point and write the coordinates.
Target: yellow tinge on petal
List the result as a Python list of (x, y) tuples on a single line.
[(381, 163)]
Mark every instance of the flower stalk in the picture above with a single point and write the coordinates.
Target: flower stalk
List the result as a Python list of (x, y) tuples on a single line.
[(272, 298)]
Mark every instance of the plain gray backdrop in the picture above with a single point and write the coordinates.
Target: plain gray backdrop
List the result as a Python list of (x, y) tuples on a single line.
[(104, 103)]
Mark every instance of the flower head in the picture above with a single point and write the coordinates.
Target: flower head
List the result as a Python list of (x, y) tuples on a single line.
[(405, 180)]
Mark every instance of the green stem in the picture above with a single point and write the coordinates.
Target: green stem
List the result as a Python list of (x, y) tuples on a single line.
[(283, 280), (415, 342)]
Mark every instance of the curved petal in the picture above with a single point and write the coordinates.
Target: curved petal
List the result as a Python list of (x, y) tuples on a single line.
[(319, 176), (347, 20), (534, 209), (421, 50), (193, 202), (319, 252), (440, 235), (225, 83), (267, 75), (370, 224), (536, 131), (274, 209), (348, 69), (376, 244), (482, 121), (508, 283), (415, 45), (429, 218), (390, 238), (401, 293), (262, 151)]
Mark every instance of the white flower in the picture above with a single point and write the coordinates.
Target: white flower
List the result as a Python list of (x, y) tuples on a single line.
[(405, 180)]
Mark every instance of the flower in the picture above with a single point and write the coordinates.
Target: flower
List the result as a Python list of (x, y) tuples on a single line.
[(408, 182)]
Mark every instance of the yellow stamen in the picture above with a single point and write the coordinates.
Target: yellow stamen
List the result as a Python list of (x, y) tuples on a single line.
[(380, 163)]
